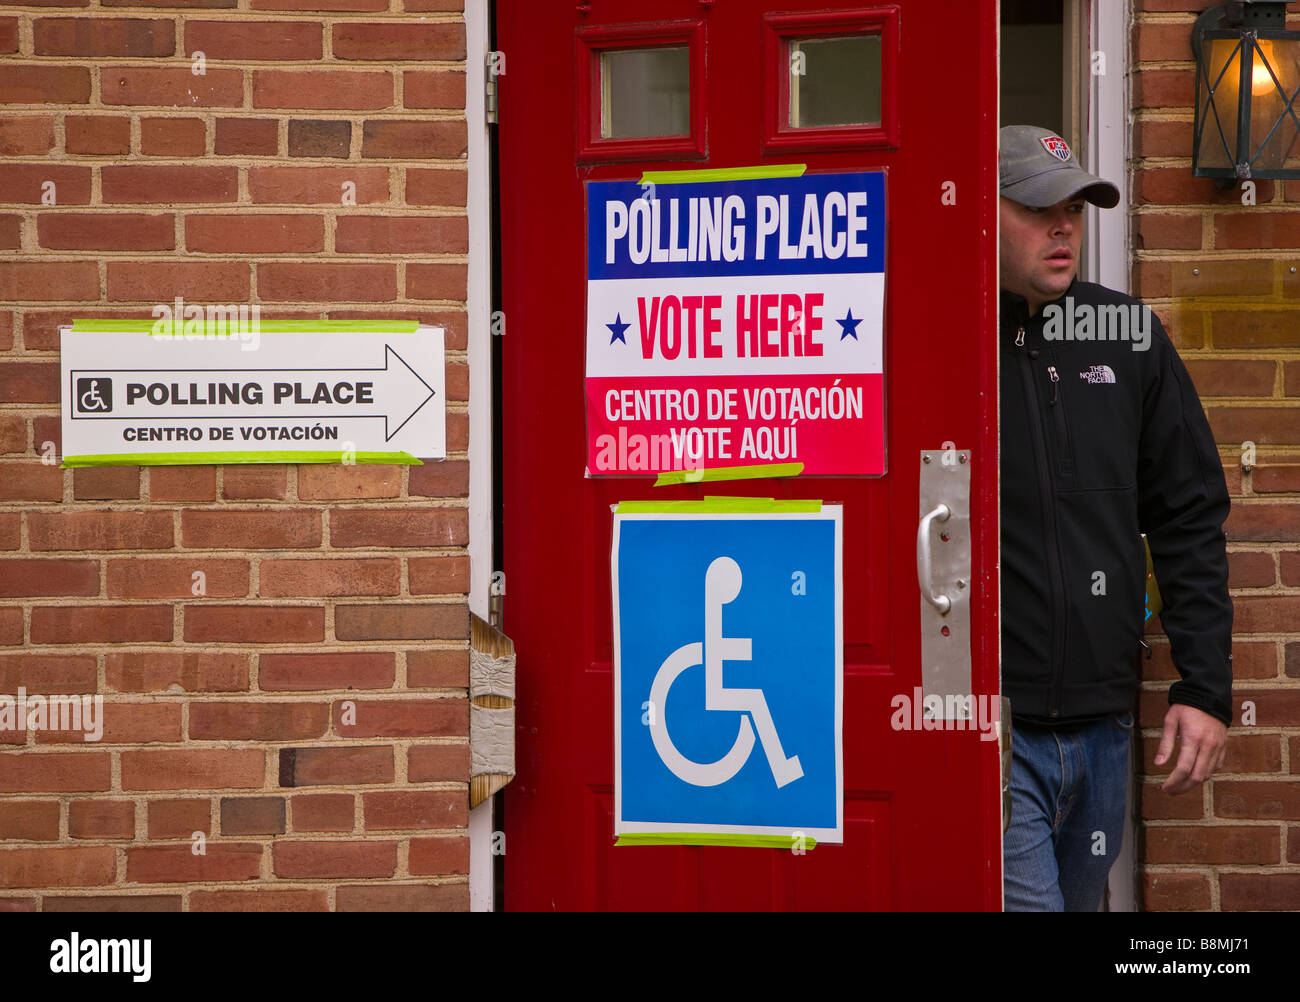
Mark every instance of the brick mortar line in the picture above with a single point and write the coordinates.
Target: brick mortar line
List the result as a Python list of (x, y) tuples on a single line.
[(282, 257), (36, 409), (183, 58), (1158, 211), (281, 116), (1212, 822), (1279, 498), (1141, 17), (1275, 208), (236, 505), (1229, 209), (181, 887), (274, 647), (387, 15), (320, 697), (1258, 869), (1209, 255), (26, 33), (246, 110), (410, 305), (453, 356), (272, 698), (446, 550), (1253, 402), (31, 458), (398, 744), (453, 598), (237, 602), (55, 159), (1227, 401), (253, 258)]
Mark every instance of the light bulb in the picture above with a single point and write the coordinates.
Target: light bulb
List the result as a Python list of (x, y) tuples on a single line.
[(1261, 81)]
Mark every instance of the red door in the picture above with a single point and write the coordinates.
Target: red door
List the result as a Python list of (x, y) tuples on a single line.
[(713, 85)]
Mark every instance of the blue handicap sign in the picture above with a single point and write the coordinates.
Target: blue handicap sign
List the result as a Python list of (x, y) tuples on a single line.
[(728, 661)]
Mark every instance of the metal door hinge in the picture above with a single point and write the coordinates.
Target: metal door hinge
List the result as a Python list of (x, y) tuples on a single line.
[(496, 609), (494, 66)]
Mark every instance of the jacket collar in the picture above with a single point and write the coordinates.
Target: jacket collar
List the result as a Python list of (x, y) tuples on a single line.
[(1014, 310)]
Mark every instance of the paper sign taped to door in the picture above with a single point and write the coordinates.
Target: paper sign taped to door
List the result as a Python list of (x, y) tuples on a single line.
[(737, 322), (728, 674)]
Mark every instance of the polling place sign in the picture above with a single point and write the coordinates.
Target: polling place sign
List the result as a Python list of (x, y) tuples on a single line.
[(289, 392), (736, 322)]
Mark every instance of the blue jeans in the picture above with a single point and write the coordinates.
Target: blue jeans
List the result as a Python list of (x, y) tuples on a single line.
[(1068, 789)]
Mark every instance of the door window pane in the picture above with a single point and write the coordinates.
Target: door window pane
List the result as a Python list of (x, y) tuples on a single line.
[(645, 92), (834, 81)]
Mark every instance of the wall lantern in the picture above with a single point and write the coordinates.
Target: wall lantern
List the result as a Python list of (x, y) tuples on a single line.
[(1247, 84)]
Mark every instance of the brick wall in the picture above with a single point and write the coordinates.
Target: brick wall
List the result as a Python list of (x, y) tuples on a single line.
[(1225, 277), (225, 712)]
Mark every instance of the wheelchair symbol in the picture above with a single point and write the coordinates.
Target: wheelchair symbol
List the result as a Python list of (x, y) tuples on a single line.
[(721, 585), (91, 400)]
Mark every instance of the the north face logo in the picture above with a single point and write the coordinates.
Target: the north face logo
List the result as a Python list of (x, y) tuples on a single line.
[(1098, 374), (1055, 145)]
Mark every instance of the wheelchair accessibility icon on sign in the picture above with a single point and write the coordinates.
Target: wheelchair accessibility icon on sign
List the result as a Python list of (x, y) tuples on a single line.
[(728, 643), (94, 395), (722, 584)]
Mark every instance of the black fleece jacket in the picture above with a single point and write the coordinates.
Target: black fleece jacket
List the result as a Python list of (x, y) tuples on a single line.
[(1101, 442)]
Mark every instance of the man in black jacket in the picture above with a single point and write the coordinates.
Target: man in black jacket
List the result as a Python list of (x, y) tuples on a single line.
[(1102, 438)]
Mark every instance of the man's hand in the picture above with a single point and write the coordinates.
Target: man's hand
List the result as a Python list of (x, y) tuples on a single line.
[(1204, 741)]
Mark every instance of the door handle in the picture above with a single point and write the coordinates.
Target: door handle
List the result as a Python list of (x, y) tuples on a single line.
[(924, 573)]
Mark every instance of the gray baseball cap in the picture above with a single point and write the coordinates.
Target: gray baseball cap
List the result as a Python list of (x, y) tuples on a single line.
[(1037, 168)]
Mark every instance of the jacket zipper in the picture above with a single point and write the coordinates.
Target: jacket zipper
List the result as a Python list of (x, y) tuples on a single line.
[(1063, 458), (1046, 497)]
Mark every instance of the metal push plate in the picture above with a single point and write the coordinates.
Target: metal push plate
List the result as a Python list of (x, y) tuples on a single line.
[(945, 636)]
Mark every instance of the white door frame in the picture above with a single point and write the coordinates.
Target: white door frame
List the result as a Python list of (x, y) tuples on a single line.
[(1107, 255), (479, 305)]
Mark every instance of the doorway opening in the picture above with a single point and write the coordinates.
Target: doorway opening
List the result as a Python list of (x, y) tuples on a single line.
[(1050, 76)]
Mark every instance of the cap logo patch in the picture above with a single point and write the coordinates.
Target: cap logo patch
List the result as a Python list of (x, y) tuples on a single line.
[(1055, 145)]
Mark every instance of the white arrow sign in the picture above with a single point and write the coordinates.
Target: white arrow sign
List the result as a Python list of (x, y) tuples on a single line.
[(328, 395)]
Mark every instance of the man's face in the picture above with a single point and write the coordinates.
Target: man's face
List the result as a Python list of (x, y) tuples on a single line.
[(1040, 249)]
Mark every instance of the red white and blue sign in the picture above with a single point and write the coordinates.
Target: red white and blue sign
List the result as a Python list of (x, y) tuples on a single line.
[(736, 323)]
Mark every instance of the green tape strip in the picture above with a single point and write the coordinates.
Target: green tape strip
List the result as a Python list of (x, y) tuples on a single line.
[(269, 327), (729, 473), (701, 838), (758, 173), (713, 506), (230, 458)]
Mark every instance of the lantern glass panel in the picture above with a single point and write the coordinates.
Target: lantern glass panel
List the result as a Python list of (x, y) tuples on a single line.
[(1273, 144), (1222, 71)]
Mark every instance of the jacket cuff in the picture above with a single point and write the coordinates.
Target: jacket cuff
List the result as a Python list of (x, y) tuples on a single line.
[(1181, 693)]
